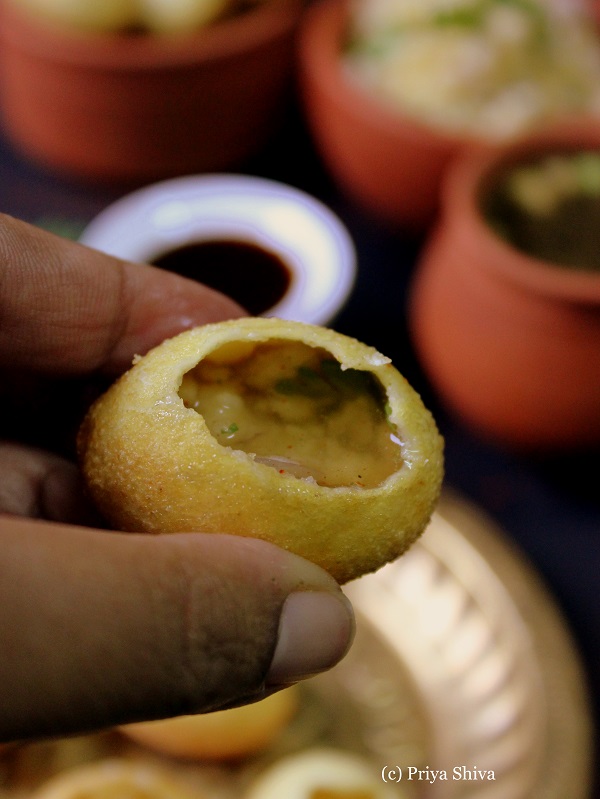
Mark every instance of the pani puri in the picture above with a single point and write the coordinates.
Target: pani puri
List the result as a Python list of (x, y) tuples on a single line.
[(223, 735), (279, 430), (114, 777)]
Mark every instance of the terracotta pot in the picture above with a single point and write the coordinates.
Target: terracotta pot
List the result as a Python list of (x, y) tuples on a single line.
[(511, 343), (388, 162), (139, 107)]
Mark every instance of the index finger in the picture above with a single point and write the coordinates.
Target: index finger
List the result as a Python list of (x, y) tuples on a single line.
[(68, 309)]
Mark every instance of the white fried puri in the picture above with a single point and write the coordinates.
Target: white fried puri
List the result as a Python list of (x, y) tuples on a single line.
[(288, 432)]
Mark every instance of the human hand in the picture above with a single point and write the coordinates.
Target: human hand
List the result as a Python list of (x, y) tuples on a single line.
[(97, 627)]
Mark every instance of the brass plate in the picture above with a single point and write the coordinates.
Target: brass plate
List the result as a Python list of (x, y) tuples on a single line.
[(462, 666), (492, 660)]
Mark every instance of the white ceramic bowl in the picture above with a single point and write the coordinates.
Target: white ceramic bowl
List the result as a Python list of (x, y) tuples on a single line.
[(306, 235)]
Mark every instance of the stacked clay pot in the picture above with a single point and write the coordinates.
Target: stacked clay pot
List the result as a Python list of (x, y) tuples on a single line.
[(511, 343)]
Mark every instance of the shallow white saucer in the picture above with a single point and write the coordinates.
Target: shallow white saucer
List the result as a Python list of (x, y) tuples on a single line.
[(310, 239)]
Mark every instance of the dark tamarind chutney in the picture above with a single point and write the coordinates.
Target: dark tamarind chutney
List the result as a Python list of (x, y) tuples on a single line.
[(253, 276)]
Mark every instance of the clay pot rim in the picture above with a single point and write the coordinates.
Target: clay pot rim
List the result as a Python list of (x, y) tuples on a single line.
[(320, 40), (466, 180), (221, 40)]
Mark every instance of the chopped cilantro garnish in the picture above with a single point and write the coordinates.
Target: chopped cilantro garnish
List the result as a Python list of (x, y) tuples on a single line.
[(306, 383), (470, 16), (229, 431), (329, 384), (348, 381)]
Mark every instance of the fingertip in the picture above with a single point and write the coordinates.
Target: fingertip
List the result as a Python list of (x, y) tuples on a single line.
[(316, 629), (306, 623), (160, 305)]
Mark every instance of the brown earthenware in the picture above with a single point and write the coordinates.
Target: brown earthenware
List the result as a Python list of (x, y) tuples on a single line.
[(511, 343), (140, 106), (390, 163)]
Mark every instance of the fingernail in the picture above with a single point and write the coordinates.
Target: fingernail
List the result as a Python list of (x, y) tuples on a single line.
[(316, 629)]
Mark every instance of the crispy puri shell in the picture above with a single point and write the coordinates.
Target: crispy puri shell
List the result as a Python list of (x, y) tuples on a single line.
[(115, 777), (151, 464), (223, 735)]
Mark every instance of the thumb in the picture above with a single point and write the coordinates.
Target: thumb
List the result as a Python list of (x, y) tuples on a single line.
[(103, 628)]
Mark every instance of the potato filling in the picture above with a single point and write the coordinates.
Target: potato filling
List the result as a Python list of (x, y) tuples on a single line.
[(294, 408)]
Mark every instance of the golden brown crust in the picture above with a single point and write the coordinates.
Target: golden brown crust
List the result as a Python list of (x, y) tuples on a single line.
[(223, 735), (151, 464)]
